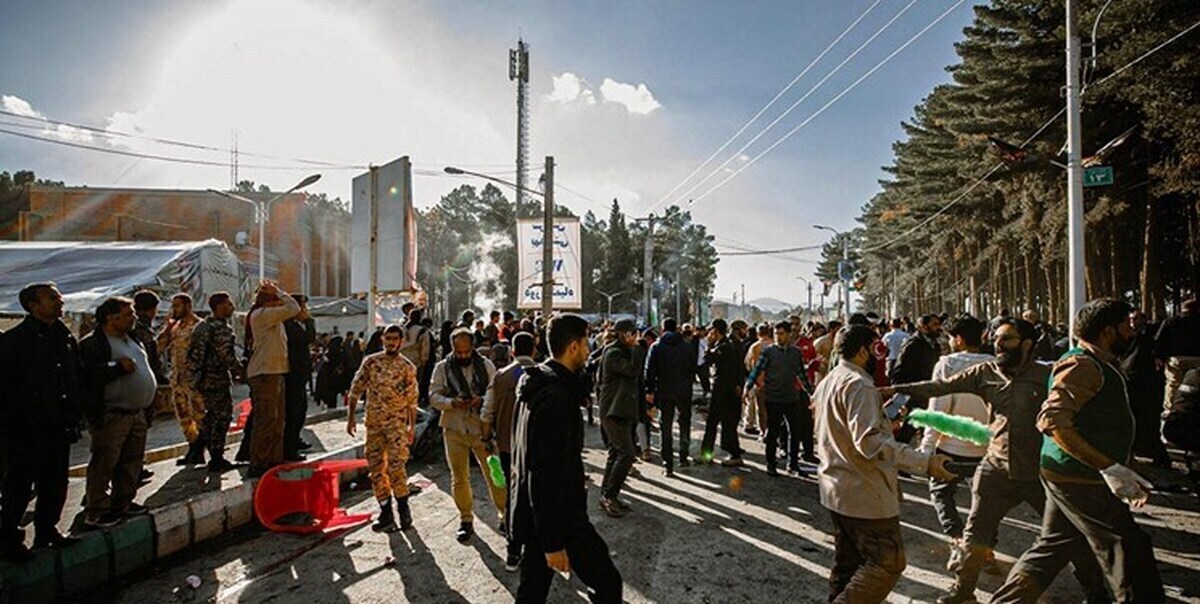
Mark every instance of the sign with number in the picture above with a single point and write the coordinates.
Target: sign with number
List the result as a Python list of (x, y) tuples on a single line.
[(1098, 176)]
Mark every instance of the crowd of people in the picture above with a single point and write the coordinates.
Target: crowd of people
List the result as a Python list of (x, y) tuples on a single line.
[(1066, 417)]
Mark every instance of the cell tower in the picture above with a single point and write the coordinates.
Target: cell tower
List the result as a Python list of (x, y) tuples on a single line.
[(518, 69), (233, 162)]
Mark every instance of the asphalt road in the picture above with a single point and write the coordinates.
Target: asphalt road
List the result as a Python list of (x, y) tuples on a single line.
[(709, 535)]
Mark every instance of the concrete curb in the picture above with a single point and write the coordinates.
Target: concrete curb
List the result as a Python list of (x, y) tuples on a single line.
[(173, 451), (106, 554)]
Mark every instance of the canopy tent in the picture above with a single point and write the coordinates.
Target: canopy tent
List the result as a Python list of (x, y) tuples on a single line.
[(88, 272)]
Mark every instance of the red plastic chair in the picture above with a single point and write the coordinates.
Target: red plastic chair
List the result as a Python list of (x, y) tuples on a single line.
[(241, 414), (303, 497)]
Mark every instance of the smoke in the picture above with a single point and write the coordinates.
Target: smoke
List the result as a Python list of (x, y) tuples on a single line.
[(485, 273)]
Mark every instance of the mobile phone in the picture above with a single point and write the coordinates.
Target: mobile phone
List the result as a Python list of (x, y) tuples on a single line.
[(895, 405)]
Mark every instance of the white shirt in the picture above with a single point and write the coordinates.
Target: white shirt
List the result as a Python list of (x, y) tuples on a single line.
[(962, 405), (895, 340)]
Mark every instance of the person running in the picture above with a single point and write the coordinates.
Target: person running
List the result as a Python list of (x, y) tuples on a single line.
[(858, 474), (389, 381), (669, 370), (1088, 432), (461, 381), (725, 357), (620, 368), (175, 338), (780, 377), (549, 507), (1013, 387)]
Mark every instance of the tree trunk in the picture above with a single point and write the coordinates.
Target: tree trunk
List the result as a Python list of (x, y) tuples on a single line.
[(1149, 285)]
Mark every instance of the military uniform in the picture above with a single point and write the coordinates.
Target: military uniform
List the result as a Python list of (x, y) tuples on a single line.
[(210, 359), (187, 402), (390, 384)]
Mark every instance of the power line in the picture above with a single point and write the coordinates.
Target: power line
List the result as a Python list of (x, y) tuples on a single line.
[(1036, 133), (737, 154), (166, 158), (767, 106), (829, 104)]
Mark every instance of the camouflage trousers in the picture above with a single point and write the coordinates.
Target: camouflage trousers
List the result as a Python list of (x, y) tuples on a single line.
[(214, 426), (387, 455), (189, 409)]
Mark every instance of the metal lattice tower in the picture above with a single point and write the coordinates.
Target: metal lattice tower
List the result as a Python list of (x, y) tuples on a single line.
[(518, 69), (233, 163)]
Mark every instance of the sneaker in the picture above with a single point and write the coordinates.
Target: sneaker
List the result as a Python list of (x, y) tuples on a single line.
[(512, 562), (136, 509), (464, 532), (612, 508), (104, 521), (733, 462)]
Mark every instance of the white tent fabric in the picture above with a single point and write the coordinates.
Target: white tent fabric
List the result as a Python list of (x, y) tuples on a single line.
[(88, 272)]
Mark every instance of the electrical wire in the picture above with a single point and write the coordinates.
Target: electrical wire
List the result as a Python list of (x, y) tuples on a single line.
[(770, 104), (831, 102), (737, 154)]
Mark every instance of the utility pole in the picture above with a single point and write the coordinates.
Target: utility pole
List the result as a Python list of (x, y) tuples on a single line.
[(374, 248), (548, 242), (518, 69), (745, 311), (648, 267), (1076, 292)]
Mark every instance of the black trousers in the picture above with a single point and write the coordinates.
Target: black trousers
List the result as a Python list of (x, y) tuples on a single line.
[(295, 410), (942, 493), (672, 410), (513, 548), (868, 559), (993, 495), (34, 461), (620, 454), (724, 410), (590, 561), (1086, 515), (779, 412)]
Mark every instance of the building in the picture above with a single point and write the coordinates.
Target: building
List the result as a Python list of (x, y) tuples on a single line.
[(307, 244)]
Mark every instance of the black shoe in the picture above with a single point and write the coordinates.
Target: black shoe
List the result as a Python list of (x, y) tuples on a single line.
[(220, 466), (304, 445), (145, 475), (512, 561), (104, 521), (136, 509), (386, 522), (255, 472), (464, 532), (669, 472), (794, 469), (295, 458), (404, 513), (54, 539), (684, 462), (772, 472), (811, 458)]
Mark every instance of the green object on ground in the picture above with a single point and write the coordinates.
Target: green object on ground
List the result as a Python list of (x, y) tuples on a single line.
[(962, 428)]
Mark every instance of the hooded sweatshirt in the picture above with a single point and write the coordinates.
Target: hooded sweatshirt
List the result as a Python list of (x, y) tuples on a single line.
[(962, 405)]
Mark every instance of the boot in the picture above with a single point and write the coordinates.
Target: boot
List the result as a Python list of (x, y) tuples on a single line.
[(386, 522), (405, 513)]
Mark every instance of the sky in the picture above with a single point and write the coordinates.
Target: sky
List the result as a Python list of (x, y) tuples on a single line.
[(630, 98)]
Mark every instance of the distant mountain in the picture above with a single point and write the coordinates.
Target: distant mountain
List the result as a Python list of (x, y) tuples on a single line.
[(772, 305)]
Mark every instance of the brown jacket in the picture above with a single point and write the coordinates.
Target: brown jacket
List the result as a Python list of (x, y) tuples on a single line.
[(499, 407)]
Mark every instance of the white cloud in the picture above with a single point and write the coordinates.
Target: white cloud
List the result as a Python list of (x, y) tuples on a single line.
[(19, 106), (69, 133), (569, 88), (637, 99)]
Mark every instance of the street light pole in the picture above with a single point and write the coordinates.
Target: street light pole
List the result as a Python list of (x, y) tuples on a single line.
[(608, 315), (261, 211), (846, 259), (1075, 216), (548, 243), (808, 285)]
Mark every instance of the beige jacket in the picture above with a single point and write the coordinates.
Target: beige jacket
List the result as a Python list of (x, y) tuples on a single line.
[(270, 356), (859, 457)]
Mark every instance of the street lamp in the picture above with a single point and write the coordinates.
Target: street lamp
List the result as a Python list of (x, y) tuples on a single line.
[(808, 284), (261, 211), (608, 315), (845, 260)]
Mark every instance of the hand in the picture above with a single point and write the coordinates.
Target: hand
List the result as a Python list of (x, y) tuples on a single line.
[(127, 365), (269, 287), (937, 468), (886, 392), (461, 403), (352, 426), (558, 561), (1126, 484)]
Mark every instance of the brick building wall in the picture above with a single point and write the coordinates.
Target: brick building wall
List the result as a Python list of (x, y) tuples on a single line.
[(306, 249)]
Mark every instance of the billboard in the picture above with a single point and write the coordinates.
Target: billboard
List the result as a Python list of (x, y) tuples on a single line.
[(396, 241), (568, 269)]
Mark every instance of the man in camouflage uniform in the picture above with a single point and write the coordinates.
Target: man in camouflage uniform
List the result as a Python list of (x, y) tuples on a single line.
[(210, 361), (389, 380), (187, 402)]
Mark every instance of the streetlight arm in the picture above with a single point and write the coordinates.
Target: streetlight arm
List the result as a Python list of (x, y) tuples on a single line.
[(460, 172), (234, 196)]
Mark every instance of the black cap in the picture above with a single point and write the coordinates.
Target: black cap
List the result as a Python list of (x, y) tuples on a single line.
[(625, 326)]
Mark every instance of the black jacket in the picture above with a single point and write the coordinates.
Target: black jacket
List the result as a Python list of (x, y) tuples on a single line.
[(548, 500), (42, 378), (620, 370), (95, 354), (1181, 426), (300, 336), (671, 367), (728, 364), (917, 357)]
